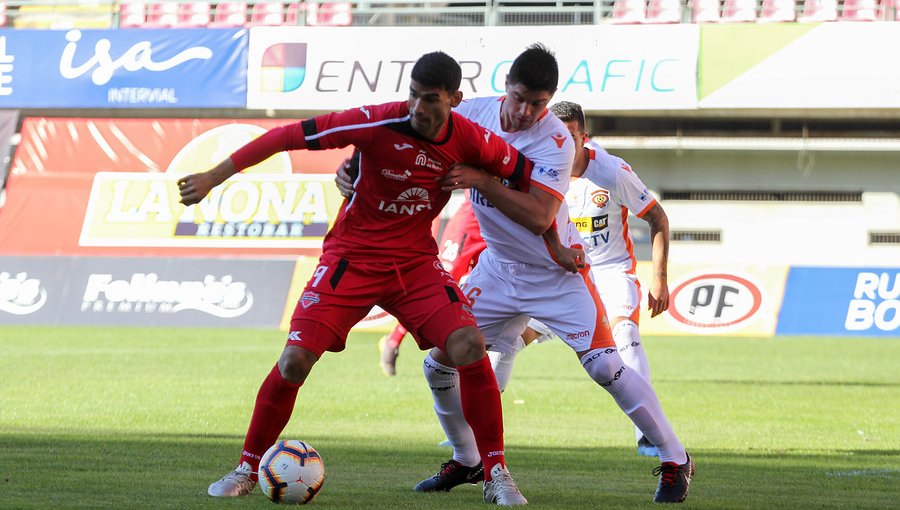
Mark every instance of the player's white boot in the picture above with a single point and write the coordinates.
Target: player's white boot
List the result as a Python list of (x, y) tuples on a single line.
[(236, 483), (502, 489)]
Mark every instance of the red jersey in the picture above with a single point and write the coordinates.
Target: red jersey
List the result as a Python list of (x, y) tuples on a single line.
[(398, 191)]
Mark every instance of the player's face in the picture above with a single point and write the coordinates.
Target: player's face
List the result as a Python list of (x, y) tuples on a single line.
[(523, 107), (429, 108), (578, 136)]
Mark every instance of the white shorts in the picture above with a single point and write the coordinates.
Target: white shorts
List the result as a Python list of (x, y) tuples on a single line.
[(505, 295), (619, 291)]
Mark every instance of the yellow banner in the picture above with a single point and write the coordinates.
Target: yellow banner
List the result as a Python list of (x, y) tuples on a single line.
[(249, 211)]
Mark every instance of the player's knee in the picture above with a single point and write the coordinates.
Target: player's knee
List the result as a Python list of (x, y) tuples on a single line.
[(465, 346), (603, 365), (295, 364)]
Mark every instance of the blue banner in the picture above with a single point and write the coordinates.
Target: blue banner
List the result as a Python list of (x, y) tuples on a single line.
[(841, 301), (167, 68)]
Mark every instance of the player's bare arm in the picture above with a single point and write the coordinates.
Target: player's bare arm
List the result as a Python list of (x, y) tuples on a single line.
[(534, 210), (569, 258), (193, 188), (658, 294)]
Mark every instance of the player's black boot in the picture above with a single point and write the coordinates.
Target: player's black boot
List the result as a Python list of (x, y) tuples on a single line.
[(674, 481), (452, 473)]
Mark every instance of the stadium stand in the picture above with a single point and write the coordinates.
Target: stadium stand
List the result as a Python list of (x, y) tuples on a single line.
[(229, 14), (267, 14), (161, 15), (819, 10), (132, 15), (777, 11), (629, 11), (328, 14), (739, 11), (664, 11), (860, 10), (705, 11), (193, 14)]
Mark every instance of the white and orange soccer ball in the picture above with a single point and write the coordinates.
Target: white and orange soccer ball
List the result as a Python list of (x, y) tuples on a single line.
[(291, 472)]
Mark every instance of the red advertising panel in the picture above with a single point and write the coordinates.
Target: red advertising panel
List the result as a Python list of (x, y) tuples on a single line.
[(107, 187)]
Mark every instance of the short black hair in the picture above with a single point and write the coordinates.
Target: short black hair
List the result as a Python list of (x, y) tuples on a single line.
[(437, 70), (568, 111), (536, 69)]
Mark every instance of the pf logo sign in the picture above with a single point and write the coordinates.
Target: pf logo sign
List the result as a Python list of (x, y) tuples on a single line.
[(715, 302)]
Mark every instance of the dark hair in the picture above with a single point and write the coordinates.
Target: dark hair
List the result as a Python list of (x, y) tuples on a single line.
[(568, 112), (536, 69), (437, 69)]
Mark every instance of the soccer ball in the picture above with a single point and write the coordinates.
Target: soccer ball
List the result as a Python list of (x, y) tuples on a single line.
[(291, 472)]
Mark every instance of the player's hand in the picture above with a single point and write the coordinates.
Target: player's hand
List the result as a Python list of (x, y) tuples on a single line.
[(462, 176), (658, 296), (571, 259), (196, 186), (342, 179)]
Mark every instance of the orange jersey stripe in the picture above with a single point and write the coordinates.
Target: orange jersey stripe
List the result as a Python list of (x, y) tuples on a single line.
[(602, 334), (548, 189)]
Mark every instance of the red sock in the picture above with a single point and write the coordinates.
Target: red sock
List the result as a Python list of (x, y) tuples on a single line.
[(395, 337), (483, 411), (274, 405)]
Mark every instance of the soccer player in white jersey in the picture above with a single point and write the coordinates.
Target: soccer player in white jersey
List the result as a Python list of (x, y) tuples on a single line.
[(517, 277), (603, 190)]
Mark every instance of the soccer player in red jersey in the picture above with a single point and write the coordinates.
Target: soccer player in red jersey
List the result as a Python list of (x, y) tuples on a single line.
[(380, 251)]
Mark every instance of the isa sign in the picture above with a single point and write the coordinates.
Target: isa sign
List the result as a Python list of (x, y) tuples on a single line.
[(841, 301), (169, 68)]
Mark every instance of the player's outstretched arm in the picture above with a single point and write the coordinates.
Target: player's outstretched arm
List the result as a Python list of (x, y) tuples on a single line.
[(193, 188), (534, 210), (658, 294)]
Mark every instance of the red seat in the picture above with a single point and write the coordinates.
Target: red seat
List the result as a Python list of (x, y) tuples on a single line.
[(162, 15), (230, 14), (705, 11), (664, 11), (629, 11), (267, 14), (739, 10), (819, 10), (859, 10), (131, 15), (777, 10), (328, 14), (3, 18), (193, 14)]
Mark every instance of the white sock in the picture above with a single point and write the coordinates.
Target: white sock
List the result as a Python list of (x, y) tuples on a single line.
[(444, 384), (628, 340), (502, 363), (634, 395)]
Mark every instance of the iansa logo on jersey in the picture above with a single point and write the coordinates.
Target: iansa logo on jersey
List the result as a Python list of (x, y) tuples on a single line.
[(715, 302), (21, 295), (409, 202), (283, 67), (146, 293)]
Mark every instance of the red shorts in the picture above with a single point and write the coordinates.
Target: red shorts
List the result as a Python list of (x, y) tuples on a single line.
[(419, 293), (461, 242)]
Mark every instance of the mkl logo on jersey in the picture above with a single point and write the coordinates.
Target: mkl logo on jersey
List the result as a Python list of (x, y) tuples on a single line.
[(283, 67), (600, 197), (20, 295), (409, 202)]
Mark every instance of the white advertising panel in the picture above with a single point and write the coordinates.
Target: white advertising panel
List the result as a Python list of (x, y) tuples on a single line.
[(601, 67)]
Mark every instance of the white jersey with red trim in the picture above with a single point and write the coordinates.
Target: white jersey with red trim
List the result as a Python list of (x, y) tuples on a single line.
[(599, 202), (548, 144)]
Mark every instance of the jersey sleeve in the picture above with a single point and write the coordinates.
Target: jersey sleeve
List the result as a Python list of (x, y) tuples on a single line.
[(553, 166), (632, 191), (282, 138), (495, 156), (340, 129)]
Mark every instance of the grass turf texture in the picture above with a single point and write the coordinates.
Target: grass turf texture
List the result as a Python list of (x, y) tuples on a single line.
[(147, 418)]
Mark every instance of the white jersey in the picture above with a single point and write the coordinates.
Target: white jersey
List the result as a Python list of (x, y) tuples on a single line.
[(599, 202), (549, 145)]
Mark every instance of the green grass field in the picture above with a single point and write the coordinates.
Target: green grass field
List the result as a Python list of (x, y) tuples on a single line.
[(147, 418)]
